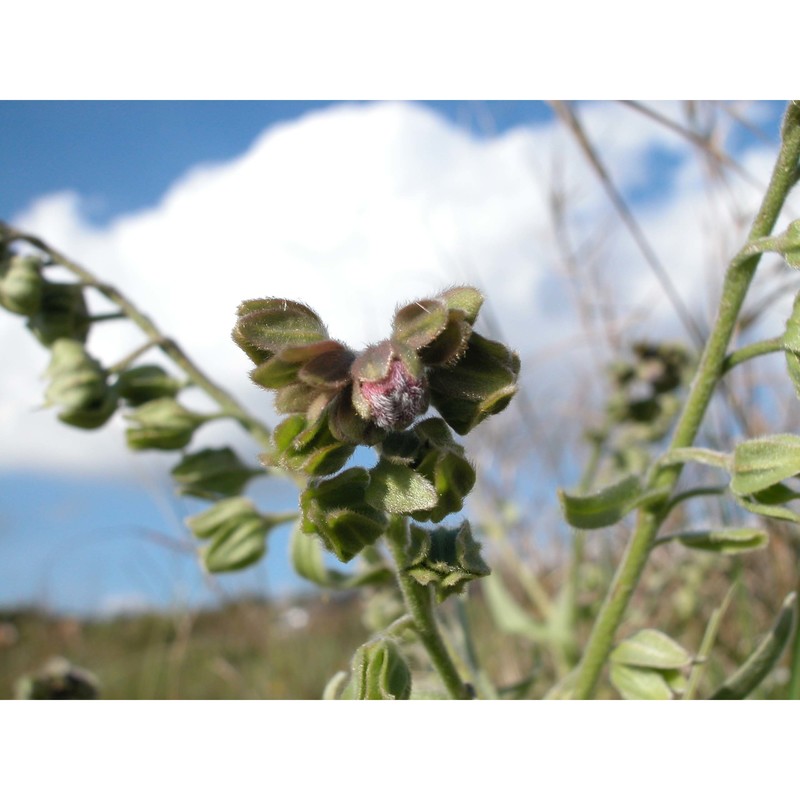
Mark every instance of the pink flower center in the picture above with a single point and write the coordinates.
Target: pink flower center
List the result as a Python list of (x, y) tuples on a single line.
[(396, 400)]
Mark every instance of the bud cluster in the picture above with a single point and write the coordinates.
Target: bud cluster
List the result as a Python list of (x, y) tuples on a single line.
[(336, 399), (87, 395)]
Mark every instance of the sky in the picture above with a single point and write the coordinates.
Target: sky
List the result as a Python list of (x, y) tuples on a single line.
[(351, 207)]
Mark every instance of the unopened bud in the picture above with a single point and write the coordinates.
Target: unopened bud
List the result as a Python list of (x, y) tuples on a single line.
[(21, 285)]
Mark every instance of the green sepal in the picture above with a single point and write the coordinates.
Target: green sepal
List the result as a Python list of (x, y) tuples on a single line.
[(602, 508), (237, 548), (307, 559), (448, 558), (162, 424), (380, 672), (347, 425), (78, 384), (308, 447), (448, 347), (336, 509), (465, 299), (761, 463), (652, 649), (62, 314), (637, 683), (212, 473), (373, 363), (480, 384), (275, 373), (419, 323), (751, 674), (729, 541), (147, 382), (220, 517), (268, 325), (238, 533), (398, 489), (21, 285), (329, 369)]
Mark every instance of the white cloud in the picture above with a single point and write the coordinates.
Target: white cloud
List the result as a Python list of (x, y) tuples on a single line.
[(353, 209)]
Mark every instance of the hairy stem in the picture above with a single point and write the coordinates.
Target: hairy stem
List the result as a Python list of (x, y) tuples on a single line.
[(419, 604), (227, 403), (737, 281)]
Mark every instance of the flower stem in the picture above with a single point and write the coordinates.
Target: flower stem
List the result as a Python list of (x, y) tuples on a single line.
[(419, 604), (737, 281), (171, 348)]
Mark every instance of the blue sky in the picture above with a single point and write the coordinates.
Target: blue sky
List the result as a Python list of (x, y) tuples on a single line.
[(290, 198)]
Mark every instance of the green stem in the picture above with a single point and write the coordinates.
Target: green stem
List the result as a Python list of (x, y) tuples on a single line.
[(794, 675), (419, 603), (709, 637), (737, 281), (171, 348), (752, 351)]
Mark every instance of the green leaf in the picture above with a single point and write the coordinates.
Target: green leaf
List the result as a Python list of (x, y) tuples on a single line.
[(509, 616), (765, 510), (725, 540), (397, 489), (650, 648), (760, 463), (603, 508), (750, 675), (637, 683)]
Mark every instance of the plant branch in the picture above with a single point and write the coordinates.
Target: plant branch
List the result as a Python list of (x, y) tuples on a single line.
[(227, 403), (419, 604), (752, 351), (737, 281)]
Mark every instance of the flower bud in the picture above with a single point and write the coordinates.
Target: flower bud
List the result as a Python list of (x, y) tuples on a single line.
[(380, 672), (212, 473), (447, 558), (336, 509), (389, 389), (78, 384), (147, 382), (162, 424), (58, 680), (62, 314), (238, 534), (21, 285)]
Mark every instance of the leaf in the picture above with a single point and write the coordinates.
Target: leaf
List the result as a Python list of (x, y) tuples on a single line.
[(397, 489), (750, 675), (636, 683), (775, 512), (725, 540), (603, 508), (761, 463), (508, 615), (650, 648)]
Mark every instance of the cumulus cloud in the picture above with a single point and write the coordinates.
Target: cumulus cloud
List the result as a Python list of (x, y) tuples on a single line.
[(353, 209)]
